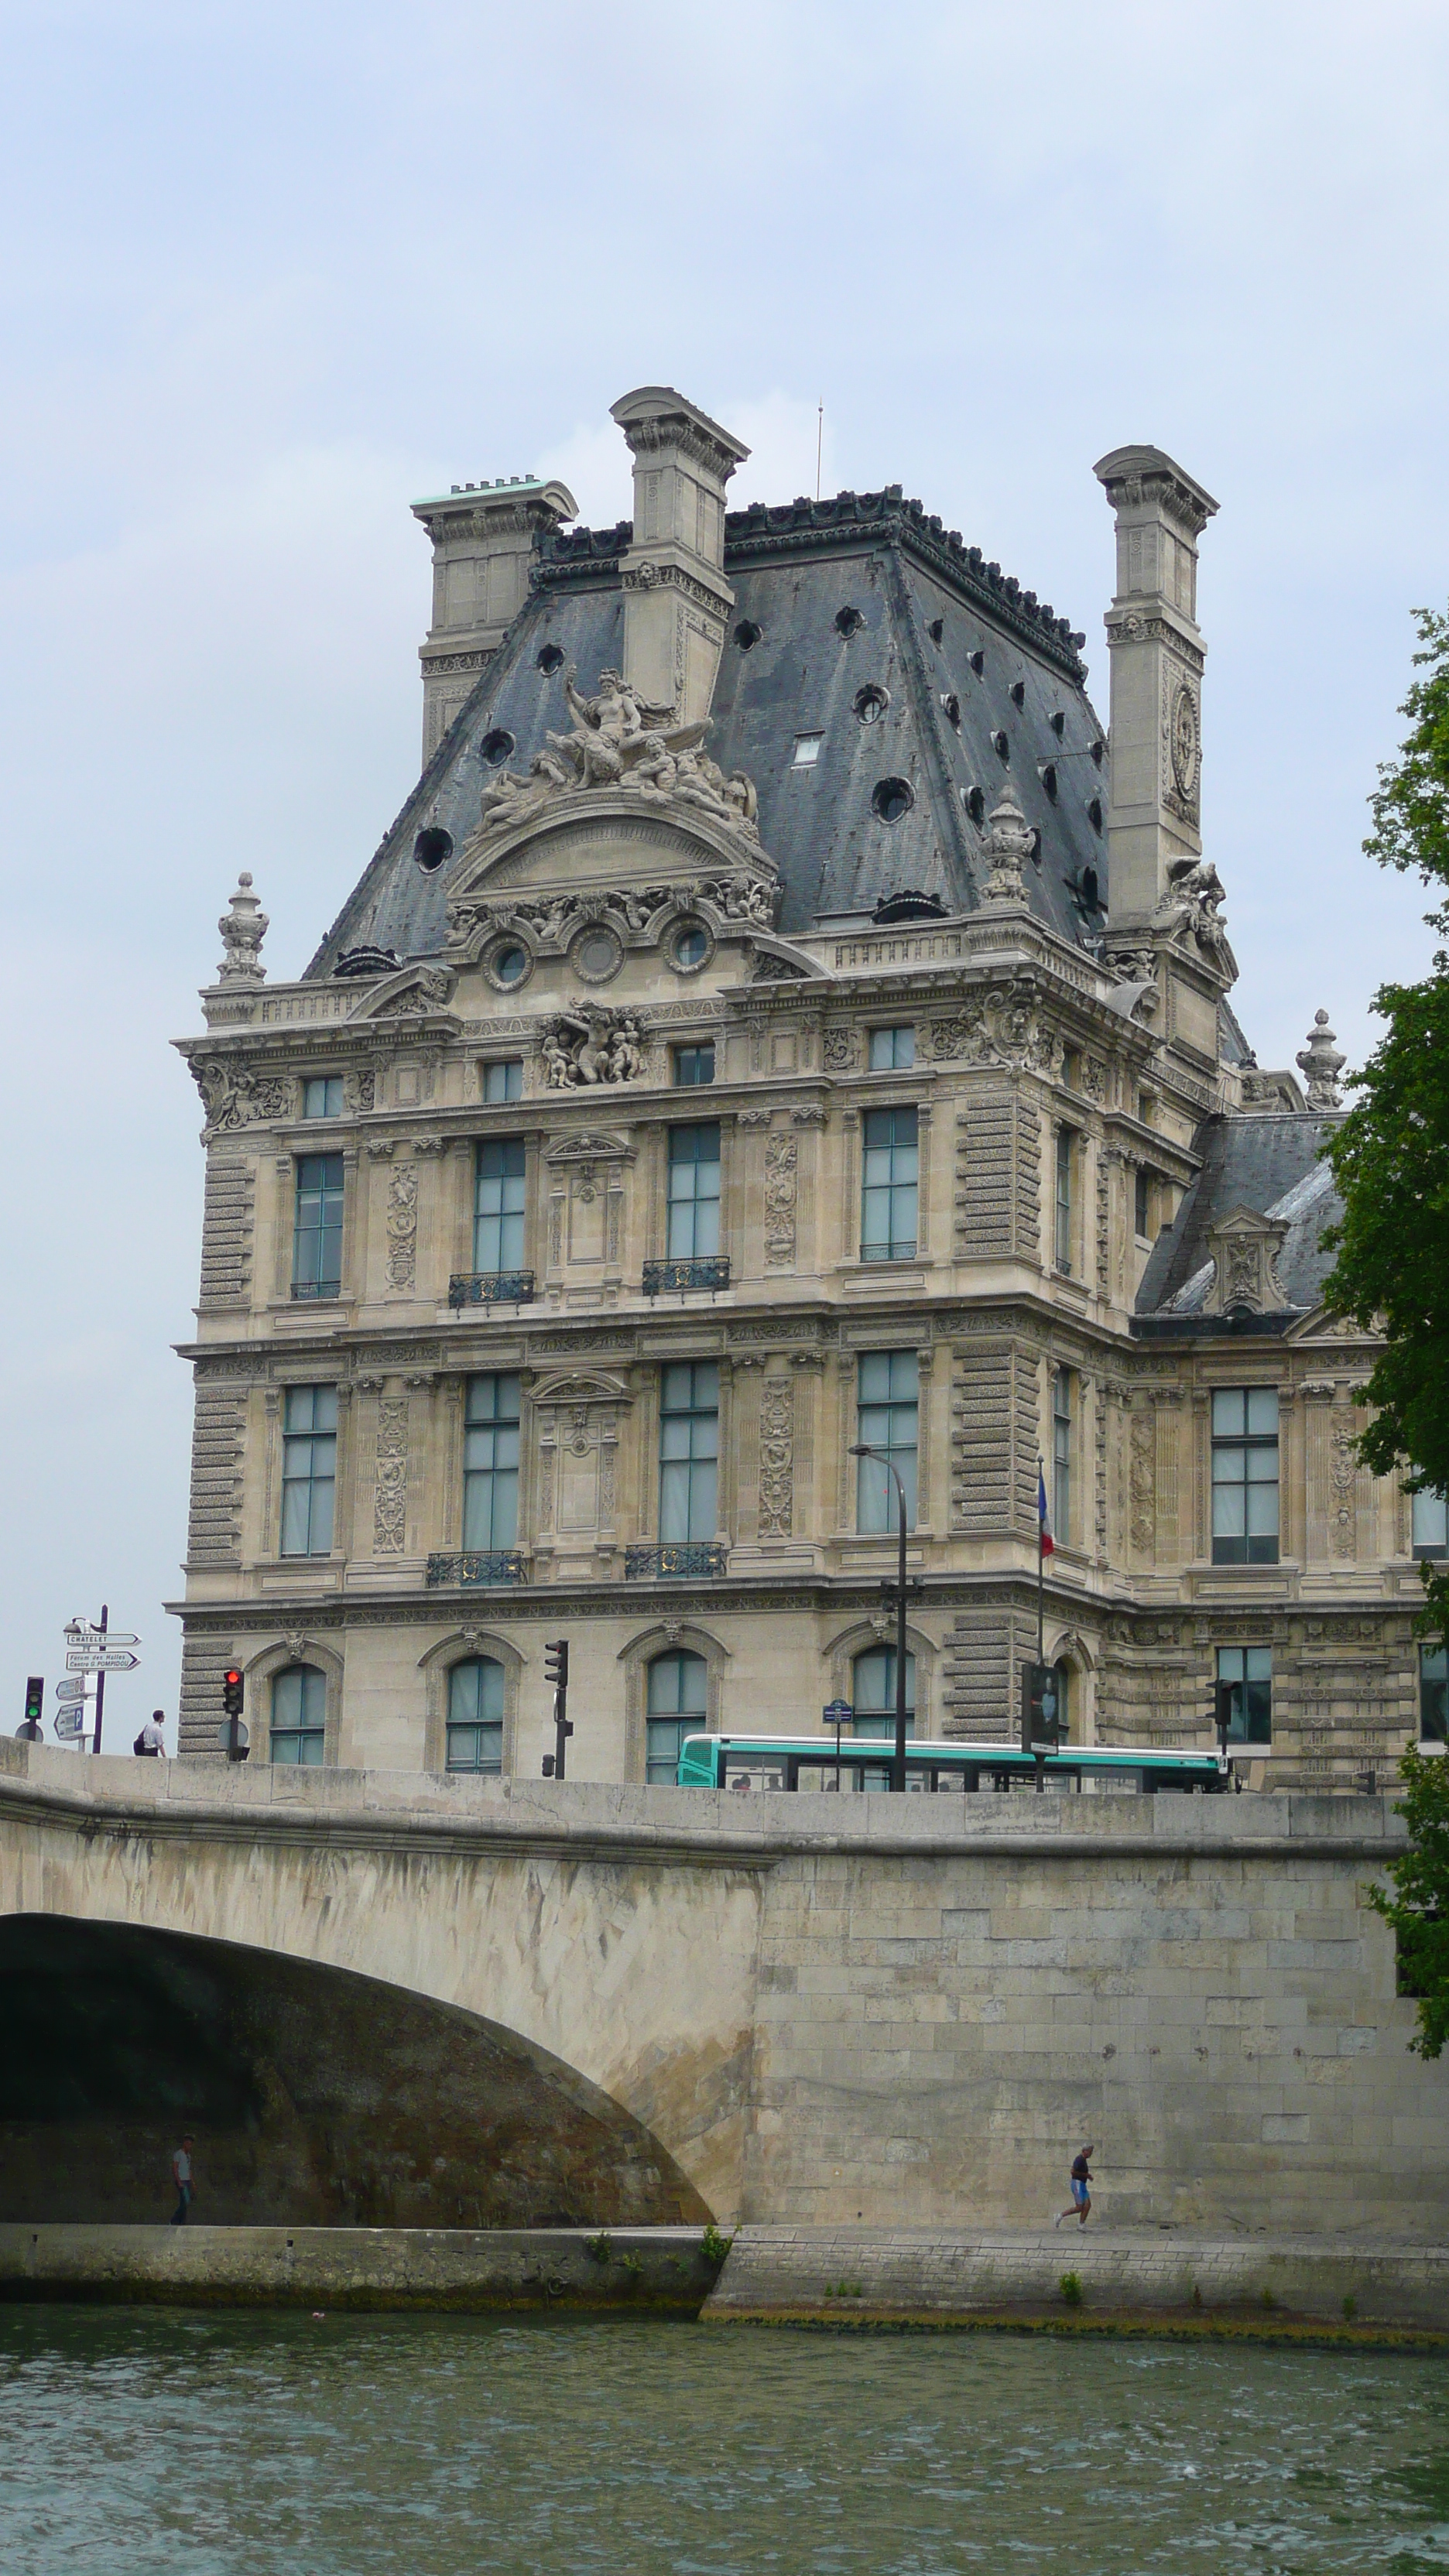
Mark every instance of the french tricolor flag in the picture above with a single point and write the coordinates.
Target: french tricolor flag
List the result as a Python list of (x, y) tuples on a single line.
[(1046, 1542)]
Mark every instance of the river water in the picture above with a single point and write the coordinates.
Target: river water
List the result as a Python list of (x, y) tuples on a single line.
[(145, 2443)]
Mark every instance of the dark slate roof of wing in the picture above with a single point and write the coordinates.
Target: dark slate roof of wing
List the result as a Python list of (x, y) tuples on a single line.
[(857, 619), (1271, 1165)]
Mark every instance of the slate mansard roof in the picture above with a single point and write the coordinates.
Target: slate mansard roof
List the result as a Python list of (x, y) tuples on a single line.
[(1271, 1164), (859, 619)]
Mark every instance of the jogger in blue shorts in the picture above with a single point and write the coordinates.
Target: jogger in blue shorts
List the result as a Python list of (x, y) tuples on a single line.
[(1081, 2207)]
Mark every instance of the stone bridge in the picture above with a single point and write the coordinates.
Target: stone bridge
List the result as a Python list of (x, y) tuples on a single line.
[(380, 1998)]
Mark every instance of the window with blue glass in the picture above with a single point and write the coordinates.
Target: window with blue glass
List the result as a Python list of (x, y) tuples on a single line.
[(1245, 1475), (888, 1185), (693, 1192), (498, 1205), (688, 1450), (317, 1240), (892, 1050), (1248, 1671), (677, 1705), (888, 1405), (475, 1715), (503, 1080), (322, 1096), (1430, 1523), (309, 1469), (298, 1729), (873, 1691), (490, 1461), (693, 1065)]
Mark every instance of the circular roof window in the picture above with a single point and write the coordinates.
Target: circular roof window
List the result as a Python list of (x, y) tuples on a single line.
[(952, 706), (510, 963), (596, 956), (747, 634), (871, 703), (496, 746), (433, 848), (550, 659), (891, 798), (691, 947), (848, 621)]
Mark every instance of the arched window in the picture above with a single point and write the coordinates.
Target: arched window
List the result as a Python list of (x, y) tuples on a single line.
[(475, 1715), (299, 1714), (873, 1691), (677, 1706)]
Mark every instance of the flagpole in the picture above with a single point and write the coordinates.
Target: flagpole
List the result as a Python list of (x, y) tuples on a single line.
[(1040, 1562)]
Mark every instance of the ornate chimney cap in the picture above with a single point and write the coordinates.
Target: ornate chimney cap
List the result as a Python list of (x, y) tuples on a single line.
[(655, 416), (1008, 843), (243, 929), (1138, 476), (1320, 1063)]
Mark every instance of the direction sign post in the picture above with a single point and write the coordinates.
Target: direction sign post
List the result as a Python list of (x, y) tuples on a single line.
[(837, 1712), (101, 1659)]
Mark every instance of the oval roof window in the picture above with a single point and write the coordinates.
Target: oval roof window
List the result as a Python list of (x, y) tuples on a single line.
[(433, 848), (848, 621), (747, 634), (891, 798), (550, 659), (871, 703), (496, 746)]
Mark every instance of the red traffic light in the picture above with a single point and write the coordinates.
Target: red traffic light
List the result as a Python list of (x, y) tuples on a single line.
[(233, 1691)]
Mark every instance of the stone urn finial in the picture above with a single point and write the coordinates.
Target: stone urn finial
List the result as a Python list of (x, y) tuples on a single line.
[(1008, 844), (1320, 1064), (242, 930)]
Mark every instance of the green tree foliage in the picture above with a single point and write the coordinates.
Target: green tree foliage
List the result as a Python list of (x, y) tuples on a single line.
[(1417, 1906), (1390, 1157), (1411, 807)]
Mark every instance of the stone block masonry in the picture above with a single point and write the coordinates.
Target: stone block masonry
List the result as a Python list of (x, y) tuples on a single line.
[(835, 2012)]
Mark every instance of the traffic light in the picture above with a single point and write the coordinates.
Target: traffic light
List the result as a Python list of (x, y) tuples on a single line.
[(556, 1670), (233, 1691), (34, 1702)]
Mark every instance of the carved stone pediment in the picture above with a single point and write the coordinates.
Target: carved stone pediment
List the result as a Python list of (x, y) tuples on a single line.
[(1321, 1326), (1244, 1248), (592, 1147), (582, 1386), (412, 993)]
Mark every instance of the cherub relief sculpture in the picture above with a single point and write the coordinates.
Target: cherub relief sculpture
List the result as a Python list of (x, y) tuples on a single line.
[(617, 740), (591, 1046)]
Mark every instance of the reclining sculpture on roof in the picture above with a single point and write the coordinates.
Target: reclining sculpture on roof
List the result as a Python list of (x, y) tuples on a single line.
[(618, 740)]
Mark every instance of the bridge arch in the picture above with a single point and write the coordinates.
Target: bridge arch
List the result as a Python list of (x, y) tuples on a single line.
[(317, 2096)]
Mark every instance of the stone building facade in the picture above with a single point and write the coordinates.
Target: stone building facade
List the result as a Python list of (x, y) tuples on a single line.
[(781, 1016)]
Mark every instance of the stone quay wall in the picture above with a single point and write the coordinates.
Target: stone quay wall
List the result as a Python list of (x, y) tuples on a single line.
[(837, 2012)]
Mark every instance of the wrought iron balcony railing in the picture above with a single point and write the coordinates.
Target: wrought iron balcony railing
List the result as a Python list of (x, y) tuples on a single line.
[(491, 1288), (661, 1276), (316, 1287), (695, 1559), (477, 1565)]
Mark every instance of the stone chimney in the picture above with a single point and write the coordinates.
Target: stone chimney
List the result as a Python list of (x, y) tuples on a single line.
[(676, 599), (482, 537), (1157, 658)]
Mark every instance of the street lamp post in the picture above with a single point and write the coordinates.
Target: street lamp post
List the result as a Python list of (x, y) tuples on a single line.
[(862, 1449)]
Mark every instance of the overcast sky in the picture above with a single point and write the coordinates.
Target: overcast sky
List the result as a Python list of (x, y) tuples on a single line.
[(272, 272)]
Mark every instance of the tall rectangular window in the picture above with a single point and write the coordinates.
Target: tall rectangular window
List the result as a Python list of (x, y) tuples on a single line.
[(1245, 1475), (688, 1450), (1249, 1671), (1066, 1143), (888, 1404), (490, 1462), (693, 1066), (892, 1050), (298, 1731), (322, 1096), (1142, 1202), (889, 1167), (504, 1080), (693, 1192), (309, 1470), (1062, 1456), (1430, 1515), (1433, 1695), (317, 1240), (498, 1205)]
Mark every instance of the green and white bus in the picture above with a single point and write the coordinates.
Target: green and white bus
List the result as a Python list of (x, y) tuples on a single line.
[(747, 1762)]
